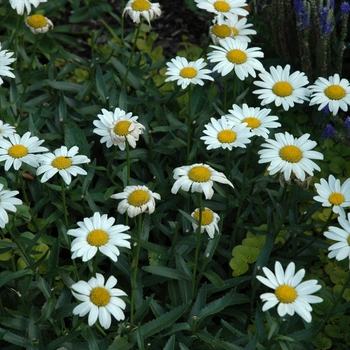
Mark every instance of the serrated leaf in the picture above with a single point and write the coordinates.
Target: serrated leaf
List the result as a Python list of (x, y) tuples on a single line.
[(121, 344), (164, 321)]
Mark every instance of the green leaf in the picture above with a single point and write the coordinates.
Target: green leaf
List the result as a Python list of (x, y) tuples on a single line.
[(166, 272), (15, 339), (6, 277), (214, 278), (131, 80), (170, 345), (100, 84), (216, 343), (121, 344), (64, 85), (164, 321)]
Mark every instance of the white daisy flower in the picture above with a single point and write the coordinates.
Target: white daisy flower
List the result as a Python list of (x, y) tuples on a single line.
[(282, 88), (142, 8), (99, 300), (38, 24), (98, 233), (186, 73), (18, 5), (237, 29), (6, 129), (17, 149), (290, 155), (117, 127), (234, 54), (334, 93), (136, 200), (7, 203), (341, 249), (199, 178), (332, 194), (209, 221), (259, 121), (225, 134), (290, 293), (62, 161), (5, 61), (223, 8)]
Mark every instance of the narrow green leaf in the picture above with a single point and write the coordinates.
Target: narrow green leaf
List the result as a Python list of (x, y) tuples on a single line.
[(15, 339), (4, 278), (100, 84), (166, 272), (121, 344), (132, 80), (61, 340), (64, 85), (164, 321), (170, 345), (214, 278)]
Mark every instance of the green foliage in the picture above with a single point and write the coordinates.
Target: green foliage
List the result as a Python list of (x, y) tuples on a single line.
[(184, 289)]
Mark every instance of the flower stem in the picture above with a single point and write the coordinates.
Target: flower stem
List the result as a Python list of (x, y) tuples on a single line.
[(134, 267), (127, 151), (63, 191), (137, 32), (189, 124), (198, 245)]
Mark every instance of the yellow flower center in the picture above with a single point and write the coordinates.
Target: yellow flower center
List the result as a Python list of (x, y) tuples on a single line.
[(336, 198), (138, 198), (37, 21), (221, 6), (141, 5), (286, 294), (188, 72), (100, 296), (291, 154), (252, 122), (18, 151), (227, 136), (236, 56), (235, 31), (349, 240), (199, 173), (122, 128), (61, 162), (282, 89), (207, 216), (335, 92), (222, 31), (97, 238)]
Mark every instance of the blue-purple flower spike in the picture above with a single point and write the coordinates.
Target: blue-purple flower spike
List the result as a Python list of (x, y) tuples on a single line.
[(329, 132), (344, 8), (302, 14)]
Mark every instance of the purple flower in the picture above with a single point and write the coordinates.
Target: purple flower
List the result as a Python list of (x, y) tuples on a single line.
[(302, 14), (329, 132), (344, 8), (325, 110), (347, 123), (326, 19)]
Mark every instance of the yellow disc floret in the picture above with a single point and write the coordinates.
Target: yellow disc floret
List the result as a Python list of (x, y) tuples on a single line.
[(335, 92), (221, 31), (18, 151), (140, 5), (221, 6), (61, 162), (188, 72), (291, 154), (235, 31), (236, 56), (282, 89), (37, 21), (286, 294), (336, 198), (207, 216), (199, 173), (252, 122), (100, 296), (227, 136), (122, 128), (97, 237), (138, 198)]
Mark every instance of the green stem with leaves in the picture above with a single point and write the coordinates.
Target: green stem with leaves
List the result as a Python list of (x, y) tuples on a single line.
[(134, 267), (189, 124), (198, 246)]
